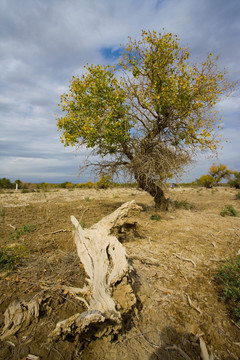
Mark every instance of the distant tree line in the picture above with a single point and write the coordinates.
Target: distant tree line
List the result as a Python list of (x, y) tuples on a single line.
[(104, 182), (215, 175), (7, 184)]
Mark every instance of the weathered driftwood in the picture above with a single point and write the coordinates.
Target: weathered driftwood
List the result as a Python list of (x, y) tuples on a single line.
[(108, 293)]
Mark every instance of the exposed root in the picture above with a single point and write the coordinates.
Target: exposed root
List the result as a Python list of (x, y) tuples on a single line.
[(184, 259), (192, 305), (55, 232)]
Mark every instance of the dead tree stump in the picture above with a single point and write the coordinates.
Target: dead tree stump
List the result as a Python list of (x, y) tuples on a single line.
[(108, 294)]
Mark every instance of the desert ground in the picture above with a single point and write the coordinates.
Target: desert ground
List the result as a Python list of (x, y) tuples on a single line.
[(174, 261)]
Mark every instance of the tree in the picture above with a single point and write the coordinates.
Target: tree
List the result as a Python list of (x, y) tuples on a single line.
[(19, 183), (219, 172), (236, 180), (5, 183), (148, 116), (206, 181), (215, 174)]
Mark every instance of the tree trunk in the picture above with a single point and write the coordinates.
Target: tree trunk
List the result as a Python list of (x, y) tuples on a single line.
[(161, 202), (145, 182)]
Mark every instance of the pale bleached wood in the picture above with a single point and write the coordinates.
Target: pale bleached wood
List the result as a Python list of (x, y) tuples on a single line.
[(105, 262), (19, 315), (108, 294)]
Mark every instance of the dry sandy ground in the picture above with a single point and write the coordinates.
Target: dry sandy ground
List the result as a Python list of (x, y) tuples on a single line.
[(174, 263)]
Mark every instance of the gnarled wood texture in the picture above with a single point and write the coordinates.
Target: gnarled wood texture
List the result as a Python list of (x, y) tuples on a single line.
[(108, 294)]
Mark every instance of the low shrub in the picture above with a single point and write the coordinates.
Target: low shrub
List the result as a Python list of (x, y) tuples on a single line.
[(87, 185), (104, 182), (228, 277), (229, 210), (10, 257), (238, 196), (7, 260), (26, 228), (156, 217), (67, 185), (183, 204)]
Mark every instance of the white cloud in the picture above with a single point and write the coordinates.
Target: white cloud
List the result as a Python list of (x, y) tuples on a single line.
[(43, 43), (230, 105)]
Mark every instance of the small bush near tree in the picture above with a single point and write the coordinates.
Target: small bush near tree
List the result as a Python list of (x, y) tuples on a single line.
[(156, 217), (228, 277), (183, 204)]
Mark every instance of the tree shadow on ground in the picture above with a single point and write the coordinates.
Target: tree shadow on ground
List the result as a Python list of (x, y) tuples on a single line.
[(176, 346)]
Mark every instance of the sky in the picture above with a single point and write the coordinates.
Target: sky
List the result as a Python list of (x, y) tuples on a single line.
[(43, 43)]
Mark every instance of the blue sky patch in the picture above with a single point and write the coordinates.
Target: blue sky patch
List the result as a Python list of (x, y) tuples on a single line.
[(111, 53)]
